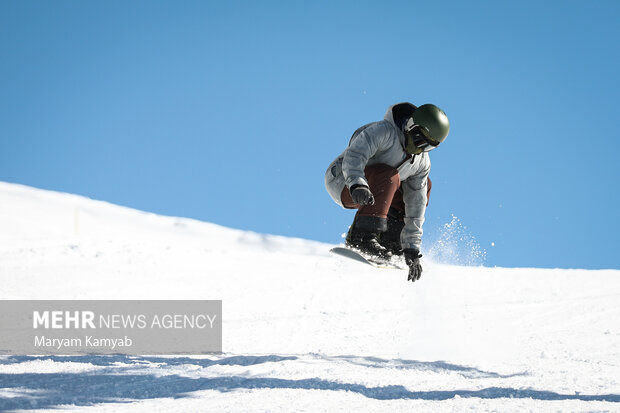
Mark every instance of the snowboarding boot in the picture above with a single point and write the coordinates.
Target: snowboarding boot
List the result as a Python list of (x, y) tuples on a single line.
[(390, 239), (363, 236)]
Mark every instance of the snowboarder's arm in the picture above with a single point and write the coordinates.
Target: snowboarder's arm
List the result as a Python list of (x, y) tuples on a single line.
[(361, 148), (415, 197)]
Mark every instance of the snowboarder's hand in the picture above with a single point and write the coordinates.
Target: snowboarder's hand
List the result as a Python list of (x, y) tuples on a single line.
[(361, 195), (412, 258)]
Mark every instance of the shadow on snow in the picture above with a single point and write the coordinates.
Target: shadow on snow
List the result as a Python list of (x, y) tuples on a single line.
[(436, 366), (40, 390)]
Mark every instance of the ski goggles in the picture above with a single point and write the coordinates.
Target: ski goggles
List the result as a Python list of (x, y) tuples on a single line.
[(417, 141)]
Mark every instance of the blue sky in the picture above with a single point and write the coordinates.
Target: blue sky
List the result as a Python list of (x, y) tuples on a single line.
[(230, 112)]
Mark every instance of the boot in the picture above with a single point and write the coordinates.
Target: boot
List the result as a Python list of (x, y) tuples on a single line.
[(364, 233), (390, 239)]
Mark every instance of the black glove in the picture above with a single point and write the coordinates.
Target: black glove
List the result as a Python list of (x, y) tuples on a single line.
[(412, 258), (361, 195)]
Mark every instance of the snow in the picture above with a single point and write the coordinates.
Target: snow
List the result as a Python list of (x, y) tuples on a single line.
[(304, 330)]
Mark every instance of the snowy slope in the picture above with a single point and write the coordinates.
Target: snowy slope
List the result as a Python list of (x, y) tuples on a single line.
[(303, 329)]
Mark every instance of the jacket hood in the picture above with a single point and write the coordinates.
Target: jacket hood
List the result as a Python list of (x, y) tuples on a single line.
[(397, 114)]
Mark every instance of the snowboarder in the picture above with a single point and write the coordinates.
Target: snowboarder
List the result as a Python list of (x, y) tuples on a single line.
[(383, 173)]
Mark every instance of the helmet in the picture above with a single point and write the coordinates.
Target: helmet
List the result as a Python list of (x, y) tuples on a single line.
[(433, 122)]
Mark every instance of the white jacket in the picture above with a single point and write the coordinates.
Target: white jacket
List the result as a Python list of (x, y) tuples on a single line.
[(383, 142)]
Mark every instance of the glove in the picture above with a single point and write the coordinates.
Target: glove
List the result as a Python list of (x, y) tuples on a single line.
[(361, 195), (412, 259)]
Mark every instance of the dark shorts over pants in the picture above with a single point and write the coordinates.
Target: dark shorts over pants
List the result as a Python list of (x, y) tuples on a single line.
[(384, 182)]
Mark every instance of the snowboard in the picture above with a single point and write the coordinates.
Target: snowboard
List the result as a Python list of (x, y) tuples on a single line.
[(393, 263)]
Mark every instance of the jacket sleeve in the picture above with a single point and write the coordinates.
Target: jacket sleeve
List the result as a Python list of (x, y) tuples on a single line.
[(363, 146), (415, 197)]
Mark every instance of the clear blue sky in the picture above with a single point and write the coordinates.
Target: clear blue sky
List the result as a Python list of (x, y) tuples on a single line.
[(230, 112)]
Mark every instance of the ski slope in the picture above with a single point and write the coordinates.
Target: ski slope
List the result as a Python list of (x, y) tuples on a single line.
[(304, 330)]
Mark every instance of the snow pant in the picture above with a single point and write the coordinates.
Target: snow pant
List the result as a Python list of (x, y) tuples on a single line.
[(384, 182)]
